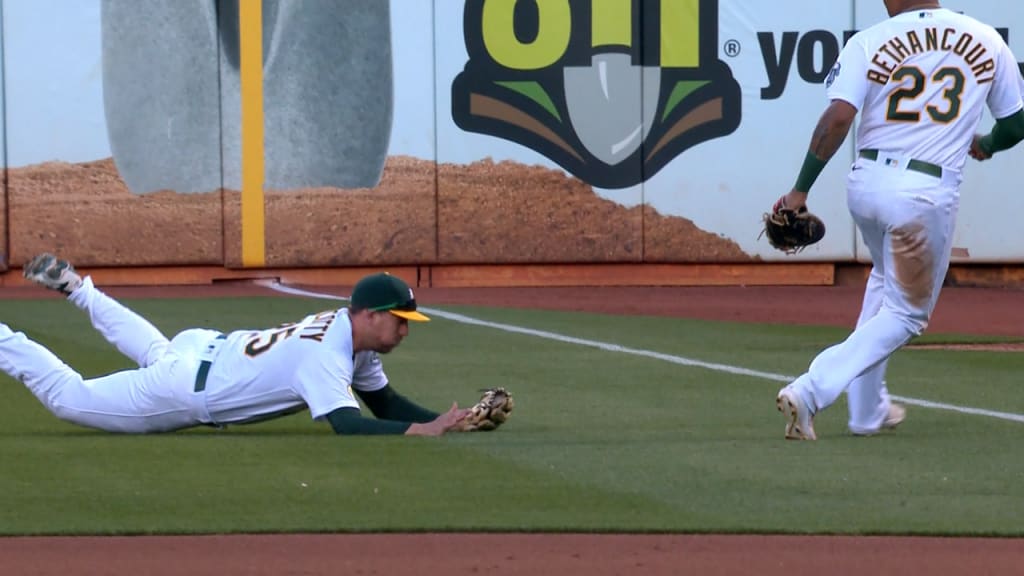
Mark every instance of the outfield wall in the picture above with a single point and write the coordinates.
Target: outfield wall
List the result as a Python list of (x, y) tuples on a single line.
[(363, 133)]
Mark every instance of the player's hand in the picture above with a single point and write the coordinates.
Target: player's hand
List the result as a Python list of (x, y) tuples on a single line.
[(441, 424), (794, 200), (976, 151)]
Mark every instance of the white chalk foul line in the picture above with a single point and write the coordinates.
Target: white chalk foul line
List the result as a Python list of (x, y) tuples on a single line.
[(682, 361)]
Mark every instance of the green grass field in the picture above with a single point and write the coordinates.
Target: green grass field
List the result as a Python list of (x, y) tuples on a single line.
[(601, 440)]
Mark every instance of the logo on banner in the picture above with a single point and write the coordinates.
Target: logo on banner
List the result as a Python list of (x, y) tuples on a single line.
[(612, 91)]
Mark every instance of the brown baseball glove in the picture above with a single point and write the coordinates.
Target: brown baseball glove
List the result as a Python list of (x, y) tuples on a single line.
[(791, 230), (491, 411)]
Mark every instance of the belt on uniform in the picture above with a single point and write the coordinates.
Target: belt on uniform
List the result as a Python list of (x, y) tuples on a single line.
[(915, 165), (204, 365)]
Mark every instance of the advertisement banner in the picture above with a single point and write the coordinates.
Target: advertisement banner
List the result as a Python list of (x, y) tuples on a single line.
[(304, 133)]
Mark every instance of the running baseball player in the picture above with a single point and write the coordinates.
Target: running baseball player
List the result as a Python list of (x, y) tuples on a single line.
[(920, 80), (204, 377)]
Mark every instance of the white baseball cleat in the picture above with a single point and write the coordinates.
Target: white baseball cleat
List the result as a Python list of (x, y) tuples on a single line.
[(897, 413), (51, 272), (799, 420)]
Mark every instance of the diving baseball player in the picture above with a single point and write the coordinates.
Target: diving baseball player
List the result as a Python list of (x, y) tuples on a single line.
[(920, 80), (321, 363)]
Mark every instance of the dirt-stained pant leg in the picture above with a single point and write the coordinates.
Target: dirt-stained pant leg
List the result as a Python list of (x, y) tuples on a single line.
[(906, 219)]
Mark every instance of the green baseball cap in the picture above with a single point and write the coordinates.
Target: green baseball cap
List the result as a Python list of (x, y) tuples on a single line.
[(379, 292)]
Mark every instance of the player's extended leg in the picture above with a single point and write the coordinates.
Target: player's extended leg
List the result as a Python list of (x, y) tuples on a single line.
[(897, 320), (142, 400), (918, 216), (863, 391), (131, 334), (916, 256)]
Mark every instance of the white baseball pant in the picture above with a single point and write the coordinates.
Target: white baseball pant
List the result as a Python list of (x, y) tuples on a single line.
[(156, 397), (906, 219)]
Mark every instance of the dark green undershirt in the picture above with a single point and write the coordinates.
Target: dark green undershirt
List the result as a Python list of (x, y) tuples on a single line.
[(394, 414), (809, 172), (349, 422), (390, 405)]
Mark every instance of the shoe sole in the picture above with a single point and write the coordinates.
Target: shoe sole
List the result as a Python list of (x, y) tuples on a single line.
[(47, 272), (38, 268), (789, 411)]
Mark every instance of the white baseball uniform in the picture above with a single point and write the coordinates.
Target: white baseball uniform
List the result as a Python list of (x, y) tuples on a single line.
[(920, 81), (200, 376)]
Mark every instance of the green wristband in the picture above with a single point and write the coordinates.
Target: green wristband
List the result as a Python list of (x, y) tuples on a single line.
[(809, 172)]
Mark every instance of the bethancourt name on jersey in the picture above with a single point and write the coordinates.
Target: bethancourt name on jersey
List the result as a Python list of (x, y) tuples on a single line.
[(812, 54), (899, 48)]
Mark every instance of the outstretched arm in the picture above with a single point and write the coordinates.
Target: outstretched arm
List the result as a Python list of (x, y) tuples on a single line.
[(395, 414), (349, 421)]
